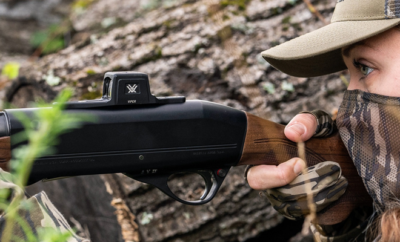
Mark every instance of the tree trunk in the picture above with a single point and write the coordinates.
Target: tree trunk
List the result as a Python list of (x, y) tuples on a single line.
[(203, 50)]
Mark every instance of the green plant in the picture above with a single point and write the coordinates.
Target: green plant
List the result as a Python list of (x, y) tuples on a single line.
[(287, 86), (79, 6), (10, 70), (41, 132), (49, 40), (269, 87), (241, 4)]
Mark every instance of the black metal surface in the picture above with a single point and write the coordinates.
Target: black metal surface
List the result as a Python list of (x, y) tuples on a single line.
[(4, 126), (163, 139), (125, 89)]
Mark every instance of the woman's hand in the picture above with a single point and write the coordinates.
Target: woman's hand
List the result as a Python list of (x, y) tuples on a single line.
[(301, 128)]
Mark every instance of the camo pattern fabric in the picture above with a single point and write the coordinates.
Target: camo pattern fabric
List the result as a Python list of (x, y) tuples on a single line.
[(324, 180), (351, 229), (41, 214), (392, 8), (325, 124), (369, 127)]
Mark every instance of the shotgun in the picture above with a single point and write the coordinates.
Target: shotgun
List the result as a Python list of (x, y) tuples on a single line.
[(152, 138)]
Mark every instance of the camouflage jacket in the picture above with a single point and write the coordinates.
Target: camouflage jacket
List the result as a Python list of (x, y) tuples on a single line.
[(36, 214)]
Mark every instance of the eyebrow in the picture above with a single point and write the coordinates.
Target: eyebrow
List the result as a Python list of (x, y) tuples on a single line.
[(346, 50)]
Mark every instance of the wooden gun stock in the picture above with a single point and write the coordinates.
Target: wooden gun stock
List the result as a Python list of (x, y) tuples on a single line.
[(5, 152), (266, 143)]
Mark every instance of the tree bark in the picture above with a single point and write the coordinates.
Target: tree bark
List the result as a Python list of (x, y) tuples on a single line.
[(203, 50)]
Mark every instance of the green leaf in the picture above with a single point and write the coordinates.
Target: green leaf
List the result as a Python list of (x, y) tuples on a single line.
[(146, 218), (91, 72), (53, 46), (50, 40), (51, 79), (38, 38), (269, 87), (287, 86), (11, 70), (48, 234), (81, 4)]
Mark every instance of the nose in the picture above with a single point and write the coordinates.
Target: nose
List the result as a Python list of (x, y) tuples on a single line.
[(355, 84)]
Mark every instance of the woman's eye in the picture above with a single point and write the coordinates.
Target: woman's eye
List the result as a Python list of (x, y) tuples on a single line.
[(365, 70)]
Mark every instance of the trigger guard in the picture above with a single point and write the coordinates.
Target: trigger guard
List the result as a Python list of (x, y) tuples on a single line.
[(211, 178)]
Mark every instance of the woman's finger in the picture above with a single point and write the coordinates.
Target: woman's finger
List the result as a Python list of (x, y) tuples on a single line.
[(301, 128), (268, 176)]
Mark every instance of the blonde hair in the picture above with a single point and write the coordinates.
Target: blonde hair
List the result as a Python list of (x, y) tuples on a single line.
[(385, 227), (389, 228)]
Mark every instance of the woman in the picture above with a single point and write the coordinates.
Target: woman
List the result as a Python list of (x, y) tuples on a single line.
[(363, 38)]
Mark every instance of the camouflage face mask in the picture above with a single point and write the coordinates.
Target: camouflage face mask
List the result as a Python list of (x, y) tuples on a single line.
[(369, 125)]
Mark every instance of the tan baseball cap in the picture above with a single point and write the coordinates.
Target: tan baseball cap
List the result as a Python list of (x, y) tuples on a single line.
[(319, 52)]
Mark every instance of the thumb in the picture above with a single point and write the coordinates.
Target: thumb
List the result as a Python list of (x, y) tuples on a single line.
[(263, 177), (301, 128)]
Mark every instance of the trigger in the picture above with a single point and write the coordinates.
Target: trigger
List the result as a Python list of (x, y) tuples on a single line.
[(209, 181)]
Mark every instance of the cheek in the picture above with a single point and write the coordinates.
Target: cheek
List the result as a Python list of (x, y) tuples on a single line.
[(388, 86), (385, 82)]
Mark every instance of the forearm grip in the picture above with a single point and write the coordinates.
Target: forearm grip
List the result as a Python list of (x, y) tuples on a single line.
[(5, 153), (266, 143)]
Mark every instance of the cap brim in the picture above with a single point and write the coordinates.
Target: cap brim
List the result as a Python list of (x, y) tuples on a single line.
[(319, 52)]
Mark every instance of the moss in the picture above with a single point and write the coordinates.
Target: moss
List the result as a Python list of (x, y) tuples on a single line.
[(225, 17), (116, 68), (286, 20), (213, 9), (241, 4), (91, 72), (276, 11), (81, 4), (296, 26), (158, 52), (286, 23), (167, 24), (197, 47), (241, 27), (225, 33), (274, 43), (91, 95)]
